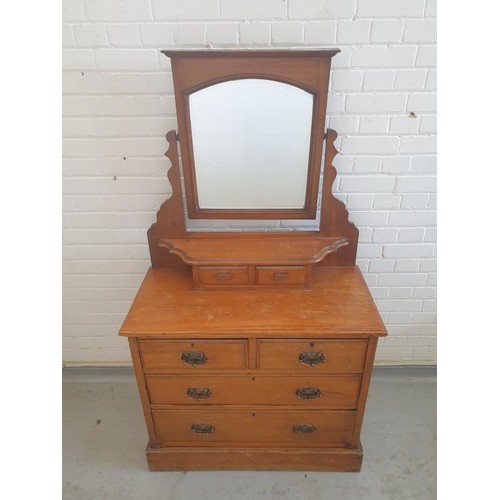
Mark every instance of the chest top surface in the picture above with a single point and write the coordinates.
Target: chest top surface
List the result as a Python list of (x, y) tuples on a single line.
[(338, 304)]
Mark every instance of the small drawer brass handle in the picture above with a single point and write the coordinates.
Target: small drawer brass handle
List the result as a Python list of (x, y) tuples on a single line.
[(280, 276), (308, 393), (225, 276), (304, 428), (197, 393), (194, 358), (311, 358), (202, 428)]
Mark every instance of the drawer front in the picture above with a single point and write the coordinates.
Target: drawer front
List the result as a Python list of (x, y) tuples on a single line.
[(308, 391), (223, 276), (203, 355), (281, 275), (208, 427), (312, 356)]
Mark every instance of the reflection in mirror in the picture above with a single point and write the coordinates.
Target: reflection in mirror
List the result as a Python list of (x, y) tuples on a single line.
[(251, 142)]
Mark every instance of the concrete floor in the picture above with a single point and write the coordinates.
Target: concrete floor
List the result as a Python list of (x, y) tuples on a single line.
[(104, 439)]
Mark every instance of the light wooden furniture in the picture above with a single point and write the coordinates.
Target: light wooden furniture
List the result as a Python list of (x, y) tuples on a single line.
[(253, 350)]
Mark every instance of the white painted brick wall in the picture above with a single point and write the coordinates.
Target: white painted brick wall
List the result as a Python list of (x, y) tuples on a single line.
[(118, 103)]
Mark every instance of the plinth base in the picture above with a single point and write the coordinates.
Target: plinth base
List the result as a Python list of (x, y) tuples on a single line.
[(311, 459)]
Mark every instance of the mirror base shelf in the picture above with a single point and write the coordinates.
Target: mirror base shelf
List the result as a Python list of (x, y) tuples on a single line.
[(220, 261), (275, 249)]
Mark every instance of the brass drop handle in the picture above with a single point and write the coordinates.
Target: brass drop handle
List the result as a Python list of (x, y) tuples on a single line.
[(308, 393), (197, 393), (202, 429), (223, 276), (194, 358), (311, 358), (280, 276), (304, 428)]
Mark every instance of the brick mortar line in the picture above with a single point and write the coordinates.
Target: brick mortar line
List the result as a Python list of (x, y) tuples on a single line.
[(262, 45), (174, 22), (349, 135), (157, 70), (153, 212), (156, 137), (332, 92)]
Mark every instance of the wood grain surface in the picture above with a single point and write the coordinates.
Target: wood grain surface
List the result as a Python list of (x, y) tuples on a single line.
[(244, 458), (273, 250), (338, 303), (336, 391), (253, 427)]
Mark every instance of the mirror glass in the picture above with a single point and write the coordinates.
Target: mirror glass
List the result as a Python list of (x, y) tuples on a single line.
[(251, 141)]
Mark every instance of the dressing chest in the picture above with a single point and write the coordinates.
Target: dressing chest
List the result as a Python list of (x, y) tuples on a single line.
[(252, 350)]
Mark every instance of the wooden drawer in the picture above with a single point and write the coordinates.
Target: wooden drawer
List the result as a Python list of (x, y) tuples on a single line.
[(309, 391), (281, 275), (223, 276), (199, 355), (312, 356), (254, 427)]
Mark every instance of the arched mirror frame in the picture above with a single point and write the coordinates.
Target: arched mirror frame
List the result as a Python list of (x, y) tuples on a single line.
[(307, 70)]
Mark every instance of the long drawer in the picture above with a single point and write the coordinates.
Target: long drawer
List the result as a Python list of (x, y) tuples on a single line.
[(339, 391), (312, 356), (199, 355), (208, 427)]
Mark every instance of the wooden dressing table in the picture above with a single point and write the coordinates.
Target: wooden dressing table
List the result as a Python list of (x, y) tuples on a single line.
[(253, 350)]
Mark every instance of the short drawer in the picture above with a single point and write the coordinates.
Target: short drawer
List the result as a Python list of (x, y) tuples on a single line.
[(182, 355), (326, 356), (339, 391), (223, 276), (281, 275), (252, 427)]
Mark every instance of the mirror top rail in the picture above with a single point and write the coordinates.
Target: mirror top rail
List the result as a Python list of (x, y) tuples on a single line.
[(251, 53)]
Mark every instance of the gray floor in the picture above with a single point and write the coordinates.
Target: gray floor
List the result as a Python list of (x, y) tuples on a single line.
[(104, 438)]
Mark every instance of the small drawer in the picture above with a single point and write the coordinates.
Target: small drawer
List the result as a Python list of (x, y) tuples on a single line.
[(281, 275), (223, 276), (339, 392), (326, 356), (182, 355), (252, 427)]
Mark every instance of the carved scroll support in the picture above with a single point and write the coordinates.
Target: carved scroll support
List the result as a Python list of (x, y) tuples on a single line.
[(170, 221), (334, 216)]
